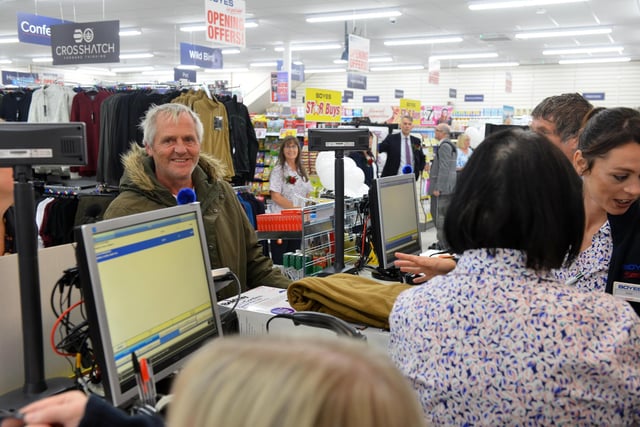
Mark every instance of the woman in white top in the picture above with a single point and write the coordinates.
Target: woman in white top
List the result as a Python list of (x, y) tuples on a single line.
[(464, 151), (289, 185)]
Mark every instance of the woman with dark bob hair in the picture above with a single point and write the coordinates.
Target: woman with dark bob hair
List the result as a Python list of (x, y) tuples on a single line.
[(499, 340)]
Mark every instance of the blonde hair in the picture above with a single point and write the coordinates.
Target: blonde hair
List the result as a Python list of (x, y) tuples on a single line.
[(462, 138), (278, 381)]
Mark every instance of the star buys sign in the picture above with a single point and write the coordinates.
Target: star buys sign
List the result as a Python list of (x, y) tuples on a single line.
[(225, 27), (323, 107)]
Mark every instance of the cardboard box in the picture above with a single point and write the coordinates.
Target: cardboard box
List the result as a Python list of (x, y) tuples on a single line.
[(258, 305)]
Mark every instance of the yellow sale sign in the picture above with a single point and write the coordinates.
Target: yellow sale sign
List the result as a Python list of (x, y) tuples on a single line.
[(323, 105), (410, 107)]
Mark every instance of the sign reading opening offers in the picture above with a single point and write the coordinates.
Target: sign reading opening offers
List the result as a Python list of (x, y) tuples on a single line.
[(225, 21), (323, 105)]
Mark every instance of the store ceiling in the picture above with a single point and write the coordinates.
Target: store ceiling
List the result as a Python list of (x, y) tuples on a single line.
[(283, 21)]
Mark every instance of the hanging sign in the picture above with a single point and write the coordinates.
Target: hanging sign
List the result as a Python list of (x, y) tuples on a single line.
[(398, 93), (85, 43), (323, 105), (36, 29), (202, 56), (17, 78), (356, 81), (180, 74), (474, 98), (225, 21), (434, 71), (508, 82), (297, 72), (279, 86), (358, 54), (593, 96)]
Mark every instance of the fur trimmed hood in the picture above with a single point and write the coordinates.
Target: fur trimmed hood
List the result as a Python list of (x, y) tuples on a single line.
[(135, 172)]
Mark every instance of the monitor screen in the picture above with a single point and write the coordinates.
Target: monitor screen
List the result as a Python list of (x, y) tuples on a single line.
[(148, 289), (332, 139), (393, 203)]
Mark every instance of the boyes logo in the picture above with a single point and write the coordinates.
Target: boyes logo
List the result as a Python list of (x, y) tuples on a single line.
[(83, 36)]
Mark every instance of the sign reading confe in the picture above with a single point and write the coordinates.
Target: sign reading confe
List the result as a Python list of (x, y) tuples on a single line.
[(225, 21), (85, 43), (36, 29)]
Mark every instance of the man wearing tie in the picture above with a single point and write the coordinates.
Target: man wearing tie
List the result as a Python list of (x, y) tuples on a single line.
[(404, 152)]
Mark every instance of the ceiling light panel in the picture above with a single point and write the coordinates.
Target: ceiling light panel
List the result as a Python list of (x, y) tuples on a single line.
[(465, 56), (226, 70), (489, 5), (201, 26), (594, 60), (425, 40), (563, 33), (128, 32), (132, 69), (9, 39), (350, 16), (309, 47), (397, 67), (489, 65), (140, 55), (583, 50), (264, 64), (324, 70)]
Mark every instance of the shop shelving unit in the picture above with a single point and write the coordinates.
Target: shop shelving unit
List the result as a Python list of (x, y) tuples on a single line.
[(317, 251)]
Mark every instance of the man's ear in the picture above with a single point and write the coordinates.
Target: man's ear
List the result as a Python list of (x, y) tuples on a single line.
[(147, 148), (579, 162), (572, 143)]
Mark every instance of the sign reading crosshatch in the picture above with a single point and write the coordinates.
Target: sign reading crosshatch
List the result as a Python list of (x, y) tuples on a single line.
[(322, 105)]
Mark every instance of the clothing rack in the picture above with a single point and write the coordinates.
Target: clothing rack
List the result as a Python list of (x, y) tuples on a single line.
[(242, 189)]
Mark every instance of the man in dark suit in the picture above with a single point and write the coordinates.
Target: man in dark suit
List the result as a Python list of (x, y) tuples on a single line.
[(404, 152)]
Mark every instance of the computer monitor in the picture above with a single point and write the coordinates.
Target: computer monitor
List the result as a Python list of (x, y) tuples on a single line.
[(490, 128), (43, 144), (148, 289), (395, 227)]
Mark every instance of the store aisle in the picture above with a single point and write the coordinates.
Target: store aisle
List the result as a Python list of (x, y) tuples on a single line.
[(428, 237)]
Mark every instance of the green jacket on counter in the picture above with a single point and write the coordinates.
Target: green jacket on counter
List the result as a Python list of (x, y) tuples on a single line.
[(231, 238)]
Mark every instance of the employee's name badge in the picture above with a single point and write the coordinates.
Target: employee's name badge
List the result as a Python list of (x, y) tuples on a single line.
[(626, 291)]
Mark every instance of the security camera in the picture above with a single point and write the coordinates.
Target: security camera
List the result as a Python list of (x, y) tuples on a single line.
[(392, 20)]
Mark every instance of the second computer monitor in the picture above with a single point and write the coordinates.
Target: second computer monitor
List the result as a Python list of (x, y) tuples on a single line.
[(394, 218)]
